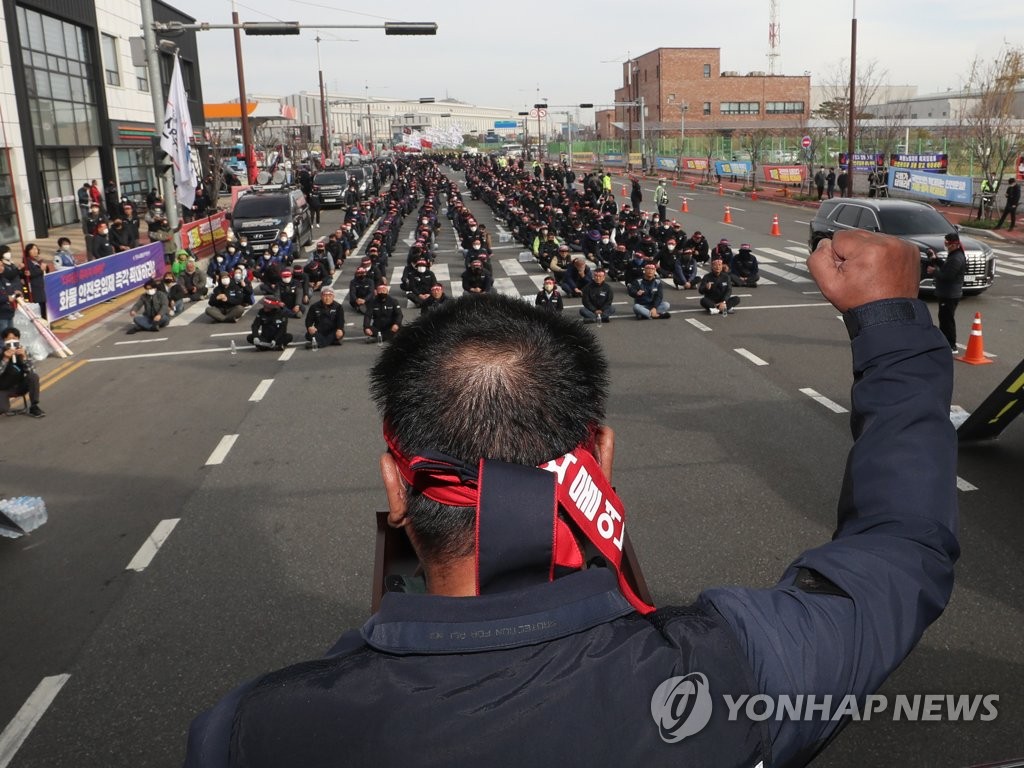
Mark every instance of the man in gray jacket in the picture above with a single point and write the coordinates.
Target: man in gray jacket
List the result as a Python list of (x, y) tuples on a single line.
[(150, 312)]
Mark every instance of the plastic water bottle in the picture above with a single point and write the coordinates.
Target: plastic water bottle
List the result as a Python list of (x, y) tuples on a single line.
[(234, 349), (315, 346), (380, 339), (27, 512)]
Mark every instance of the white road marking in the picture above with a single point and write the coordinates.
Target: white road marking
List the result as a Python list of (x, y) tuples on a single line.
[(964, 486), (750, 356), (233, 333), (140, 341), (190, 313), (512, 267), (832, 406), (1002, 269), (31, 712), (287, 355), (698, 324), (784, 274), (222, 450), (158, 354), (505, 286), (260, 391), (152, 545), (1006, 253)]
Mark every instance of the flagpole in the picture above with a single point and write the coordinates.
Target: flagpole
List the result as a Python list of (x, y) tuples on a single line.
[(156, 92)]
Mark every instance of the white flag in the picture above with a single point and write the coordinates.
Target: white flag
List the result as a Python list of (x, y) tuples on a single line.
[(175, 137)]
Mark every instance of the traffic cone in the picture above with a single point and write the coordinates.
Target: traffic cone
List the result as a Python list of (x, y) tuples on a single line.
[(685, 208), (720, 190), (693, 186), (753, 194), (775, 227), (975, 354), (728, 216), (623, 190), (674, 184)]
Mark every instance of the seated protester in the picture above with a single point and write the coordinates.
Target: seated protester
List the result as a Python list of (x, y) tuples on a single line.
[(577, 278), (716, 290), (591, 243), (270, 327), (619, 263), (649, 302), (323, 256), (315, 272), (597, 299), (667, 258), (373, 268), (383, 316), (699, 245), (575, 236), (227, 302), (335, 251), (268, 269), (245, 252), (476, 279), (476, 250), (291, 291), (437, 299), (218, 266), (286, 248), (360, 290), (181, 257), (561, 263), (634, 269), (604, 250), (418, 284), (744, 271), (724, 252), (548, 250), (685, 276), (63, 258), (379, 257), (548, 297), (17, 375), (232, 258), (192, 280), (175, 293), (325, 321), (241, 278), (150, 312)]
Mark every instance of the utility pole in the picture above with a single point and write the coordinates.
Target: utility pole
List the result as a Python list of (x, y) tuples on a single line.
[(853, 101), (243, 105), (325, 141), (643, 137), (156, 92)]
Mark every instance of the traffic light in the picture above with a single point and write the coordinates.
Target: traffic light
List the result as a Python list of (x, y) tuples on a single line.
[(161, 160)]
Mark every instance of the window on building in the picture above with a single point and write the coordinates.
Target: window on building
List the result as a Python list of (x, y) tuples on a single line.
[(707, 70), (707, 107), (142, 79), (8, 218), (113, 73), (784, 108), (740, 108), (135, 171), (61, 94)]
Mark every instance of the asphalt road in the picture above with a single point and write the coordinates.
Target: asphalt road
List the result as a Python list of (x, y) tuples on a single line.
[(271, 555)]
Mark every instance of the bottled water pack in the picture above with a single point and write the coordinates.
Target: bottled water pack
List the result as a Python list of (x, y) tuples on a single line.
[(28, 512)]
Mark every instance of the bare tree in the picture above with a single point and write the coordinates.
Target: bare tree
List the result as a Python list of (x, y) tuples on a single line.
[(752, 140), (835, 106), (987, 123)]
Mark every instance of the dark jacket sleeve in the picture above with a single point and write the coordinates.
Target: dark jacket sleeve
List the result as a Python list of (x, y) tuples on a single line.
[(893, 551)]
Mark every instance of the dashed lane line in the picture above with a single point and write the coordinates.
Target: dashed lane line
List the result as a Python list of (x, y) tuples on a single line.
[(222, 450), (152, 545), (830, 404), (31, 712), (750, 356), (261, 390)]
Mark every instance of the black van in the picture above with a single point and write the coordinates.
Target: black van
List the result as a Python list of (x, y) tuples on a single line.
[(331, 186), (262, 213)]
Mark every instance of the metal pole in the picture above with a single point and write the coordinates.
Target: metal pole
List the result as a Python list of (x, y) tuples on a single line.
[(156, 92), (325, 149), (369, 125), (643, 136), (853, 102), (243, 105)]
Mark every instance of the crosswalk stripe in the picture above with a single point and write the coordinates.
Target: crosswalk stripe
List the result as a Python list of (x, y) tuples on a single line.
[(512, 267), (189, 314), (1001, 252), (784, 274), (1002, 269)]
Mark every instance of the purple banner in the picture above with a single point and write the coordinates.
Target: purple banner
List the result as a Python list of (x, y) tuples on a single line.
[(72, 290)]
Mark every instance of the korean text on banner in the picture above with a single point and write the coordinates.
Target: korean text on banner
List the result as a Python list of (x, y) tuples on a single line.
[(174, 137), (666, 163), (955, 189), (936, 163), (732, 167), (784, 174), (72, 290), (202, 236), (695, 163)]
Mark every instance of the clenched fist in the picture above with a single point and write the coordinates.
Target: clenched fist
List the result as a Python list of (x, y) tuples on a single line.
[(857, 267)]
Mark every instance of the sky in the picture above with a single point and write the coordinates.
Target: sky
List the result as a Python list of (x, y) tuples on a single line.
[(512, 54)]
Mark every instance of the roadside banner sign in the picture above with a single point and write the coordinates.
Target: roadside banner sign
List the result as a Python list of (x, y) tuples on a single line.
[(506, 124), (954, 189), (72, 290), (784, 174)]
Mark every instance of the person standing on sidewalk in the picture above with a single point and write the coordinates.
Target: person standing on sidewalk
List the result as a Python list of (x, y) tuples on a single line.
[(1012, 201), (949, 285)]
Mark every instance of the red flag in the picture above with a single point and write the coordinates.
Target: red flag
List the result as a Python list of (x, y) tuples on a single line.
[(426, 143), (360, 148)]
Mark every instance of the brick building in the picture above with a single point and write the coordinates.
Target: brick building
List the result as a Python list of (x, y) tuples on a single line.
[(715, 100)]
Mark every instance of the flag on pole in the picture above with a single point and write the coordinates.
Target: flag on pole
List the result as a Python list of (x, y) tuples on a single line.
[(175, 136)]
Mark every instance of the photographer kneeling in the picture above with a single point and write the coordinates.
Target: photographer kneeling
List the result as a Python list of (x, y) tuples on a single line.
[(17, 375)]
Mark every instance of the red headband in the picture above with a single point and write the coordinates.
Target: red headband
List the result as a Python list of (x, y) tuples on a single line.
[(581, 491)]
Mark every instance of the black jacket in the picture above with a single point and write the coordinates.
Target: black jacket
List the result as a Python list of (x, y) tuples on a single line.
[(552, 302), (326, 319), (270, 325), (949, 275), (716, 287), (598, 297), (382, 312)]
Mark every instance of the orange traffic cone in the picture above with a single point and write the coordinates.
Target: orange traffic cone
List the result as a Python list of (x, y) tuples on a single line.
[(720, 191), (693, 186), (623, 190), (728, 216), (753, 194), (775, 227), (674, 183), (975, 354), (685, 208)]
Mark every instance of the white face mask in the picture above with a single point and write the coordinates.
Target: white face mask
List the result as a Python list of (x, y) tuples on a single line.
[(476, 246), (225, 281), (472, 229), (423, 221), (671, 248), (548, 288), (151, 291), (421, 270), (220, 259), (605, 241), (286, 280), (239, 276)]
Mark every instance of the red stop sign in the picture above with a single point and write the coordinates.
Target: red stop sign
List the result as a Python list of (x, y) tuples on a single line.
[(805, 142)]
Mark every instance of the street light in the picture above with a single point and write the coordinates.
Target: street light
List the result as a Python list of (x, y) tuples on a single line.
[(682, 127), (540, 134), (848, 192), (250, 28), (526, 135)]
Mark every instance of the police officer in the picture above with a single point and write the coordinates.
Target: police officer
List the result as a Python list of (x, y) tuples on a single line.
[(949, 284), (325, 321), (383, 316)]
